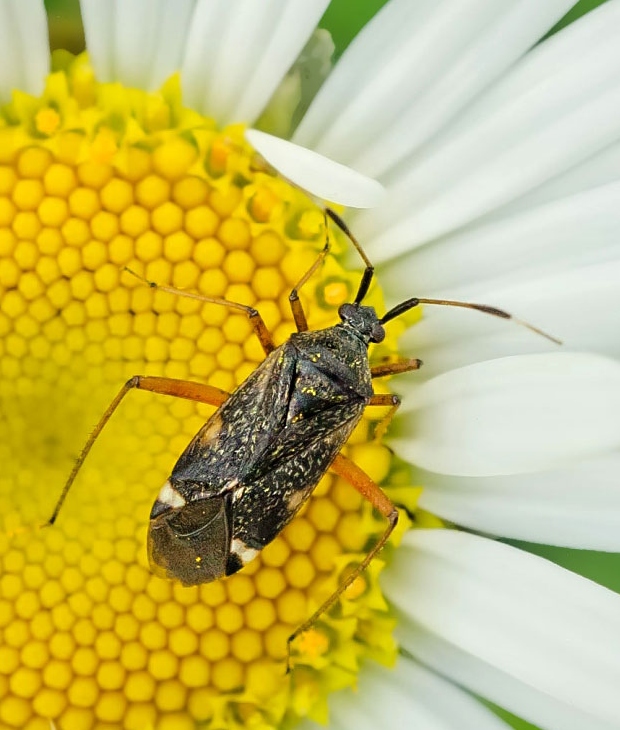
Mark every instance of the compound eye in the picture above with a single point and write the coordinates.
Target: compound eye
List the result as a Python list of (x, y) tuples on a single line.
[(346, 311), (378, 333)]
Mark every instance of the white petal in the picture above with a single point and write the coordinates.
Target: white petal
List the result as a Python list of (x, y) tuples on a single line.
[(581, 306), (513, 415), (600, 169), (135, 25), (170, 39), (489, 681), (518, 627), (137, 42), (201, 49), (577, 506), (410, 696), (547, 62), (237, 53), (232, 55), (319, 176), (283, 45), (24, 47), (99, 28), (557, 265), (430, 60), (520, 143), (574, 230), (382, 42)]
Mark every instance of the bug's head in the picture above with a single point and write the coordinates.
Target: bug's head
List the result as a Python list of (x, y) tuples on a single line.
[(189, 540), (363, 320)]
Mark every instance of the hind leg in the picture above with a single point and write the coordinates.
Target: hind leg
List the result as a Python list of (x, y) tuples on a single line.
[(164, 386)]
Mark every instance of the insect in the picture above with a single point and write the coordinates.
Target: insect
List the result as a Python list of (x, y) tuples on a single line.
[(254, 463)]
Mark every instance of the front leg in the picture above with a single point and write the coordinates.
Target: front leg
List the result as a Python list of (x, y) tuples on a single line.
[(395, 368)]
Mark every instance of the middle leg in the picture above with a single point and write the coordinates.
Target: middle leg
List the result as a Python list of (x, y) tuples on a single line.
[(386, 399)]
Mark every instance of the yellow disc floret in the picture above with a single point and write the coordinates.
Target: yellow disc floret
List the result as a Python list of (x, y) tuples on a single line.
[(94, 178)]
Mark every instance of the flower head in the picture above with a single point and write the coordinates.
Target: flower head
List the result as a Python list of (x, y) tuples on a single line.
[(134, 156), (180, 203)]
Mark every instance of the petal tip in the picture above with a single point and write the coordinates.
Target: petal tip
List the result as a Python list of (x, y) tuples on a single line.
[(317, 175)]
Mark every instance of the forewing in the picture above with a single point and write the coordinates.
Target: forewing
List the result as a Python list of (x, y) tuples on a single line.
[(285, 477), (238, 434), (271, 442), (320, 410)]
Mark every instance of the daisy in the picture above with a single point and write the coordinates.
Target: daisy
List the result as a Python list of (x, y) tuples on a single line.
[(482, 139)]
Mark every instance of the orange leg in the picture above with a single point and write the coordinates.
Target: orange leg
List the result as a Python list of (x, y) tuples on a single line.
[(380, 399), (395, 368), (384, 399), (296, 307), (370, 491), (165, 386), (298, 311), (257, 322)]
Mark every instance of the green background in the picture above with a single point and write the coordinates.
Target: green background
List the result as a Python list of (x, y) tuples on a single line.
[(344, 18)]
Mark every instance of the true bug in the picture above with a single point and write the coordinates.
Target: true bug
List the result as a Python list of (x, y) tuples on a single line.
[(251, 467)]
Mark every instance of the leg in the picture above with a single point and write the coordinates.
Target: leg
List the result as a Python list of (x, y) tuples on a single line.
[(379, 399), (260, 328), (370, 491), (165, 386), (395, 368), (261, 164), (384, 399), (298, 311)]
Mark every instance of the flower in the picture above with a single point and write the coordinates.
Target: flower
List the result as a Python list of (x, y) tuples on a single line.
[(479, 141)]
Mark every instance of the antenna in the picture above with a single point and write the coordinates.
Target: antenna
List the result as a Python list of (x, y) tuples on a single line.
[(411, 303)]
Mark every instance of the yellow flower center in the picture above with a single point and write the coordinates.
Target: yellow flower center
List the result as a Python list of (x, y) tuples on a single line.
[(94, 178)]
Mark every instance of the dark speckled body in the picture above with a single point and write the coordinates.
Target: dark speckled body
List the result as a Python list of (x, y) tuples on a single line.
[(280, 430), (256, 461)]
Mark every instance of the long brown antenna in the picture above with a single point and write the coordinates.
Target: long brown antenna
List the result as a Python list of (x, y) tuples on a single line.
[(411, 303)]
